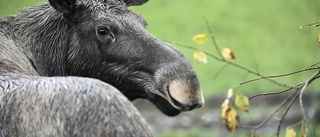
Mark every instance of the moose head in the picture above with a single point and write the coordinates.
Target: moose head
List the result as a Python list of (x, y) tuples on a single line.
[(103, 39)]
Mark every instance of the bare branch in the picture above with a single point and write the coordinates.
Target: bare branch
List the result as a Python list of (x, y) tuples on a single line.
[(315, 76), (222, 68), (283, 91), (280, 75), (316, 24), (279, 92), (314, 64), (271, 93), (285, 113), (273, 113)]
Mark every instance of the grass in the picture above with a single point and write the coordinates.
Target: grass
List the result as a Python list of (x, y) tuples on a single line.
[(264, 36)]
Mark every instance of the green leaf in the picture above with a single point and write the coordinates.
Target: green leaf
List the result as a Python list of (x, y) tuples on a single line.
[(242, 102)]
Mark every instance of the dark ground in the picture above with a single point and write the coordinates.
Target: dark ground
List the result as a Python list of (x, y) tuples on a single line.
[(260, 109)]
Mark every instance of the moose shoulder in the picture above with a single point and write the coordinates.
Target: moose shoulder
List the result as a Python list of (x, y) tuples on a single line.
[(51, 51), (66, 107)]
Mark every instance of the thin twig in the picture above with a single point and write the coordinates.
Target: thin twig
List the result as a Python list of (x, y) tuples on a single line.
[(279, 92), (273, 113), (315, 76), (283, 91), (222, 68), (314, 64), (285, 113), (270, 93), (212, 38), (280, 75), (316, 24)]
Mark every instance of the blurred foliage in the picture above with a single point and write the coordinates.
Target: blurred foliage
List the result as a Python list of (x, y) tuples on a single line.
[(9, 7), (264, 35)]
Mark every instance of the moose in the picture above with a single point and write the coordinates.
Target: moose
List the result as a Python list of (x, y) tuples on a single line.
[(72, 68)]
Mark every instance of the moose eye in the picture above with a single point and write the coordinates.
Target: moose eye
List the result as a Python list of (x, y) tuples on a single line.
[(104, 34), (103, 31)]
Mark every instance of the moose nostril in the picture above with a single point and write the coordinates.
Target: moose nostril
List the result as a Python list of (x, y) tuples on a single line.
[(195, 106)]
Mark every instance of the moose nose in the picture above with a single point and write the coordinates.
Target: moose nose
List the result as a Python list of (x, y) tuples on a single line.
[(189, 107), (185, 96), (197, 105)]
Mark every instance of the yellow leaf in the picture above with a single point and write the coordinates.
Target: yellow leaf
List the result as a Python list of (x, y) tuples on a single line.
[(230, 93), (318, 38), (231, 119), (227, 53), (224, 107), (290, 133), (223, 113), (225, 104), (200, 56), (200, 38), (242, 102)]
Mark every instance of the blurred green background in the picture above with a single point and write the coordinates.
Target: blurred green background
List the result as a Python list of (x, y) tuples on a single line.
[(265, 36)]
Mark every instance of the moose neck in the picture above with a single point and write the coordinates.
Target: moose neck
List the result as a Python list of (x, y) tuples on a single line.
[(44, 34)]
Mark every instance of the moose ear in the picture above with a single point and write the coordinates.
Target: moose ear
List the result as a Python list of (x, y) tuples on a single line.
[(64, 6), (134, 2)]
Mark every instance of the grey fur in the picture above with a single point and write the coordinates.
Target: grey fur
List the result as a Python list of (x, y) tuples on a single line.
[(69, 107), (135, 2), (41, 47)]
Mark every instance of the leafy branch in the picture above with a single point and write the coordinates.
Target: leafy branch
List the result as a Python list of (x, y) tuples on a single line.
[(229, 113), (225, 61)]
